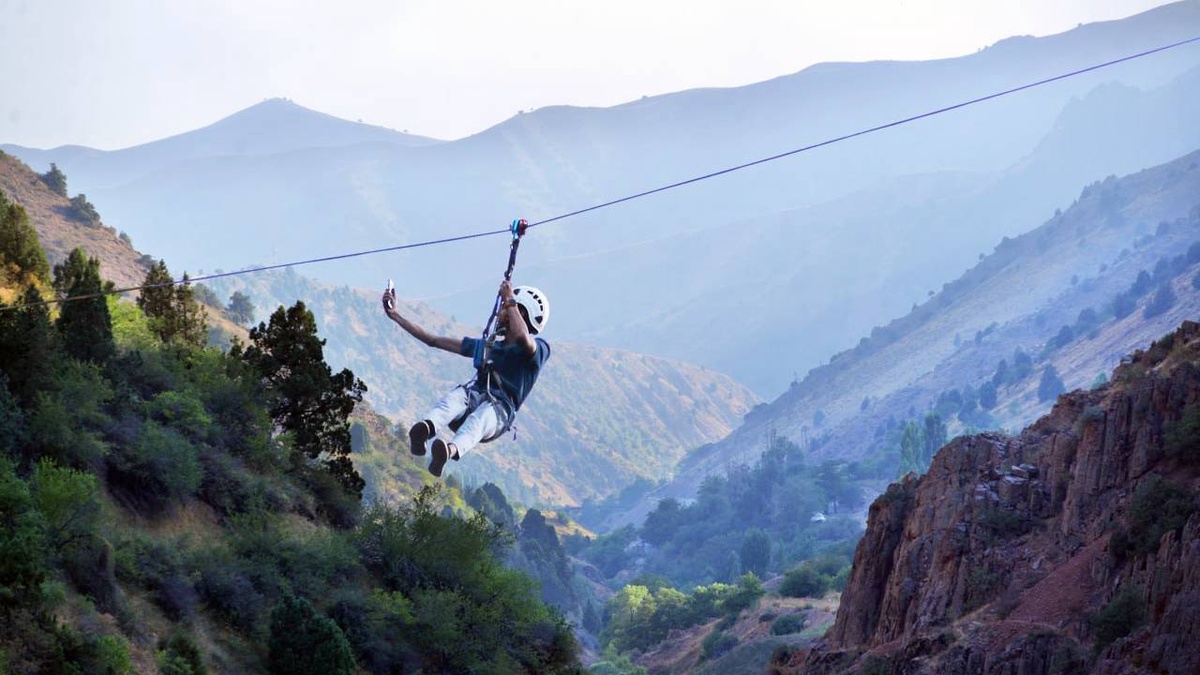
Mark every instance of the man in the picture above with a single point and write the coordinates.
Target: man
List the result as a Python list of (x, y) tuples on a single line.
[(482, 409)]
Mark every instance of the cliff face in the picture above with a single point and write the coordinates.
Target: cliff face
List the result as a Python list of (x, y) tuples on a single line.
[(1071, 547)]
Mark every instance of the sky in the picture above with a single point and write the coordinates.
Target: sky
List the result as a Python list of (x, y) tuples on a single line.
[(115, 73)]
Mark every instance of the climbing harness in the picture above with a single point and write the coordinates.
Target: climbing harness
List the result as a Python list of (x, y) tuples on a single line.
[(483, 347)]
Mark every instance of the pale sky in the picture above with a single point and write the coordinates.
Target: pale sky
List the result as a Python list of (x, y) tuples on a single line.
[(115, 73)]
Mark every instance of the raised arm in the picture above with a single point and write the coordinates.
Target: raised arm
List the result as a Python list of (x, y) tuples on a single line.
[(518, 332), (441, 342)]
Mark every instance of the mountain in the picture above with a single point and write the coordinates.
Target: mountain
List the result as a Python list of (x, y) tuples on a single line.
[(641, 290), (1019, 297), (1071, 547), (569, 448), (598, 420), (61, 231)]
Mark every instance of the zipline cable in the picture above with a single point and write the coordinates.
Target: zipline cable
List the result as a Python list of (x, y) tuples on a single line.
[(614, 202)]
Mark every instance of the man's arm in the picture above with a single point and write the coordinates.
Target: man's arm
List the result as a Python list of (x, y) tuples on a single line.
[(518, 332), (441, 342)]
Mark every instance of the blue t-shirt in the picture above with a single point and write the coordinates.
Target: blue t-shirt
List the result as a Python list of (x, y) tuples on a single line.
[(513, 369)]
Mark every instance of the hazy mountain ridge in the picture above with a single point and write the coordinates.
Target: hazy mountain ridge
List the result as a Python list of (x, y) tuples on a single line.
[(558, 159), (1019, 296), (598, 419)]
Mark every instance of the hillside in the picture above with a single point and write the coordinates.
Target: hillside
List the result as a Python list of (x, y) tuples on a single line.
[(312, 201), (61, 233), (568, 449), (1018, 297), (598, 420), (1071, 547)]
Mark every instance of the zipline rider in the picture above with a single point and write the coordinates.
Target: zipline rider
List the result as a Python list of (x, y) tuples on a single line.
[(507, 366)]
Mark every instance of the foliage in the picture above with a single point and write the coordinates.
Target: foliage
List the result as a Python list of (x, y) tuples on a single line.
[(19, 245), (788, 624), (1124, 613), (240, 309), (1162, 300), (55, 179), (172, 311), (83, 211), (1051, 385), (468, 611), (717, 643), (804, 581), (306, 399), (157, 427), (1158, 506), (1182, 437), (756, 551), (304, 642), (84, 323)]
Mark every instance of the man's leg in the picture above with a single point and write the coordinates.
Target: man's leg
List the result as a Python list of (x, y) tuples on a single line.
[(450, 407), (483, 422)]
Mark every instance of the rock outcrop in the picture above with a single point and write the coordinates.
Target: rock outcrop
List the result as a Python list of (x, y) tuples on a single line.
[(1072, 547)]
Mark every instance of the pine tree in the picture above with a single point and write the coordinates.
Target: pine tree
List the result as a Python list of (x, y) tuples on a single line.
[(55, 179), (19, 243), (1050, 386), (304, 642), (28, 347), (173, 312), (85, 324), (240, 310), (306, 398)]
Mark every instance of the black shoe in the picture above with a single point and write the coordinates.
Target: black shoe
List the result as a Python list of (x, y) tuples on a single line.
[(417, 436), (438, 461)]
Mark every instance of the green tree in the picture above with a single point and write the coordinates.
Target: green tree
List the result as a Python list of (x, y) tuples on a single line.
[(307, 400), (987, 395), (56, 180), (756, 552), (22, 538), (69, 501), (171, 308), (85, 324), (1162, 300), (304, 642), (83, 211), (1051, 385), (934, 437), (28, 346), (19, 243), (240, 310)]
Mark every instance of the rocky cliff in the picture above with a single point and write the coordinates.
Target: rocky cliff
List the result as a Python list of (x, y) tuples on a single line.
[(1072, 547)]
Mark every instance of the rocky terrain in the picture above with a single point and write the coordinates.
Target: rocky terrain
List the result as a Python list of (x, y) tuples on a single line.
[(1072, 547)]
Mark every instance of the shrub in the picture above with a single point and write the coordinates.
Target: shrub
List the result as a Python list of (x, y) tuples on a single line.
[(179, 655), (303, 641), (159, 468), (717, 643), (1182, 438), (804, 582), (1124, 613), (1159, 506), (788, 624)]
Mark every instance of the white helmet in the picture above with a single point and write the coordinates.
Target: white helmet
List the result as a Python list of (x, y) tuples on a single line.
[(535, 308)]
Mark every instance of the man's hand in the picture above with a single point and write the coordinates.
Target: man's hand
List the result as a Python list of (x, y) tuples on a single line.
[(389, 303), (506, 291)]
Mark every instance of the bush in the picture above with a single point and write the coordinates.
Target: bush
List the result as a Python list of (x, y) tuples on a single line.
[(179, 655), (788, 624), (159, 468), (804, 582), (717, 643), (1159, 506), (1124, 613), (1182, 437), (304, 642)]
